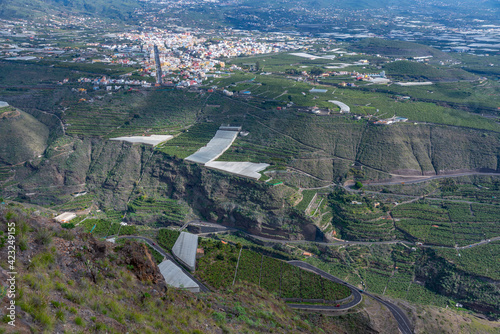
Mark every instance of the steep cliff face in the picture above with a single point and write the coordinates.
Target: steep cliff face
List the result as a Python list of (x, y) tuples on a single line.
[(117, 173)]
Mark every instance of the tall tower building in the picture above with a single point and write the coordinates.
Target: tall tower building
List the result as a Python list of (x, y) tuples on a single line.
[(158, 66)]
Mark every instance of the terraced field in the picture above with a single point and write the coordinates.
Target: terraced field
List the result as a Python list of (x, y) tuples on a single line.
[(83, 119), (103, 228), (218, 266), (130, 113), (146, 207), (5, 173), (385, 270), (189, 141), (483, 261), (448, 224), (358, 219), (77, 203)]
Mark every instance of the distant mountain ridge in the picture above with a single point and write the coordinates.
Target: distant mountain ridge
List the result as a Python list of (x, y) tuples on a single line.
[(114, 9), (369, 4)]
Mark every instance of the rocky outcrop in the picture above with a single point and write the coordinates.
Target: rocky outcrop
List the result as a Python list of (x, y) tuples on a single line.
[(138, 258), (111, 172)]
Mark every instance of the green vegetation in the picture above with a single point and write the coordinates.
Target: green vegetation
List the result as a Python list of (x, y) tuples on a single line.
[(430, 222), (5, 173), (305, 149), (22, 137), (449, 224), (189, 141), (477, 97), (133, 113), (397, 48), (357, 217), (157, 256), (54, 298), (463, 287), (218, 268), (164, 209), (115, 9), (383, 269), (482, 261), (104, 228), (307, 196), (406, 70), (77, 203), (167, 238)]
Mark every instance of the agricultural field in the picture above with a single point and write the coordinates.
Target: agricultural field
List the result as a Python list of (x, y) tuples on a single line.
[(420, 295), (249, 268), (482, 261), (307, 196), (189, 141), (5, 172), (166, 209), (76, 203), (279, 62), (131, 113), (104, 228), (383, 269), (167, 238), (432, 222), (378, 100), (84, 119), (474, 96), (271, 268), (413, 71), (218, 267), (474, 188), (484, 194), (156, 256), (448, 224), (358, 218)]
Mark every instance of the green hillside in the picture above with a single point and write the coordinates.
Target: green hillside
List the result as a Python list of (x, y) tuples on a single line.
[(364, 4), (114, 9), (406, 70), (92, 286), (393, 48), (22, 137)]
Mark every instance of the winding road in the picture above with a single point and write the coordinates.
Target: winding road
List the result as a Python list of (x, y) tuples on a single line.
[(355, 293), (217, 228), (404, 323)]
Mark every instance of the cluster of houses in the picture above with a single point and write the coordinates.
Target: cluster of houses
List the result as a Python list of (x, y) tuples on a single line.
[(188, 56)]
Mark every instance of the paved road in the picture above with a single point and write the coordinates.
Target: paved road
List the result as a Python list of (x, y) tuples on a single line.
[(404, 323), (426, 197), (160, 250), (482, 242), (355, 293), (418, 179), (225, 229)]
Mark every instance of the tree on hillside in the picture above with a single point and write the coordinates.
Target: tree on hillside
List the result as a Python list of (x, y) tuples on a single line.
[(358, 185), (257, 66), (316, 71)]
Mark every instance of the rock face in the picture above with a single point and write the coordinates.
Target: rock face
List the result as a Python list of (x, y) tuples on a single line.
[(137, 255), (110, 171)]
